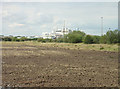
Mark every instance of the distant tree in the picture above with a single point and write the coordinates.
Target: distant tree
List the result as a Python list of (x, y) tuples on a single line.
[(112, 36), (40, 39), (23, 39), (103, 39), (15, 39), (88, 39), (96, 39), (34, 39), (48, 40), (7, 39), (74, 37), (65, 38), (60, 40), (44, 40)]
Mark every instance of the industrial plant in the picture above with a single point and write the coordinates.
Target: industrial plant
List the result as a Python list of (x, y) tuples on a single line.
[(56, 33)]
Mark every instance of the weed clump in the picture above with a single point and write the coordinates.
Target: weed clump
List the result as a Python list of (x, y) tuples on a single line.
[(101, 48)]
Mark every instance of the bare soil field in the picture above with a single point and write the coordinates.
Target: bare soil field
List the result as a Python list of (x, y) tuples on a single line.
[(29, 65)]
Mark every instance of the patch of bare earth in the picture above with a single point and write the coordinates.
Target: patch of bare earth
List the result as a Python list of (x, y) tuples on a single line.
[(31, 66)]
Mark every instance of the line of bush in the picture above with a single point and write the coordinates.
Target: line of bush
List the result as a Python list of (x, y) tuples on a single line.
[(111, 37)]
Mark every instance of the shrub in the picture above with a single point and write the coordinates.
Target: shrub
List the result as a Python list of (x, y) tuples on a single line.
[(112, 36), (7, 39), (23, 39), (88, 39), (103, 39), (43, 41), (96, 39), (74, 37), (15, 39), (47, 40), (60, 40), (101, 48), (40, 39)]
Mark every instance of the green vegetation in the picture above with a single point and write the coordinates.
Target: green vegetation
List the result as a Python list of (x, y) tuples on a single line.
[(44, 40), (7, 39), (111, 37), (103, 39), (15, 39), (96, 39), (23, 39), (74, 37), (88, 39)]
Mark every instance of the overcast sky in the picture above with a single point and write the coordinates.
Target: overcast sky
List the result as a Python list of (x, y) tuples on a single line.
[(34, 18)]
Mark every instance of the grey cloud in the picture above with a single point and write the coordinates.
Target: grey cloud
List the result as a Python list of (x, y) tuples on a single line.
[(53, 14)]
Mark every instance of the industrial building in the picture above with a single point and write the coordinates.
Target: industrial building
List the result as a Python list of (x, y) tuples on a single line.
[(56, 33)]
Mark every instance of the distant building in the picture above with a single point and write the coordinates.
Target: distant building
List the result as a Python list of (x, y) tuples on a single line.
[(32, 37), (56, 33), (46, 35), (10, 36)]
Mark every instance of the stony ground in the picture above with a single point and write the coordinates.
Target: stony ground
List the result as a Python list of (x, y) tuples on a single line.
[(30, 66)]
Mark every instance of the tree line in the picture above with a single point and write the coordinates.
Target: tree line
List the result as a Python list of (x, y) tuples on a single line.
[(111, 37)]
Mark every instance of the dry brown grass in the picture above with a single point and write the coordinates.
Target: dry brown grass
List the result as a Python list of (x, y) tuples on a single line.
[(78, 46)]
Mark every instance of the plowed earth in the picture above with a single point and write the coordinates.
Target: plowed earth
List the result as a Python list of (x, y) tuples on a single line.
[(30, 66)]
